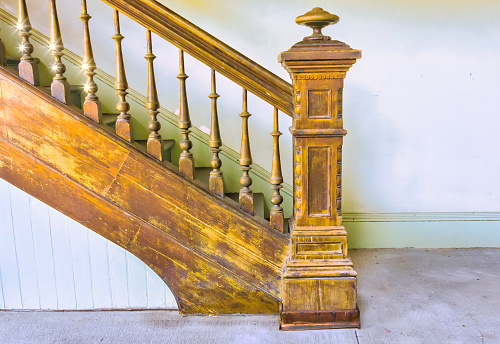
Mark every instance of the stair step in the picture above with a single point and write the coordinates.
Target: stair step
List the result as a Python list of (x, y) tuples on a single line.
[(202, 173), (258, 202), (109, 119), (167, 148), (75, 94), (13, 62)]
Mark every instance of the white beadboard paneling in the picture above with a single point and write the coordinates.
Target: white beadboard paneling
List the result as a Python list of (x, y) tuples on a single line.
[(23, 237), (100, 271), (49, 261), (63, 262), (8, 257), (118, 276), (137, 288), (81, 265), (43, 254), (2, 299)]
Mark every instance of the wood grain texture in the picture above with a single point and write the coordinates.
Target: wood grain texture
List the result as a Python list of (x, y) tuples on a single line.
[(214, 258), (209, 50), (319, 282)]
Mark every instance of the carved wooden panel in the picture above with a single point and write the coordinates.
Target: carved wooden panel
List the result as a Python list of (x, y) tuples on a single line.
[(318, 103), (317, 180)]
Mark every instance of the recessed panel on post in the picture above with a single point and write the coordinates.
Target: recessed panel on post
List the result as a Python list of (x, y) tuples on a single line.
[(318, 186), (319, 104)]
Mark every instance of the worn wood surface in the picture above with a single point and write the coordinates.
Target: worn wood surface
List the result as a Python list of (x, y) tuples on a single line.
[(209, 50), (215, 258), (319, 282)]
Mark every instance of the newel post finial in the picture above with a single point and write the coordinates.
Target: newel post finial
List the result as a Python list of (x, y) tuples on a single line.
[(317, 19), (318, 281)]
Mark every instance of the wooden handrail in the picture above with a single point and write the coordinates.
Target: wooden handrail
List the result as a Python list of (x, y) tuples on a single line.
[(209, 50)]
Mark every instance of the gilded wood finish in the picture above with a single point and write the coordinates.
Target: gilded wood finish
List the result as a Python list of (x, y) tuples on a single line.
[(154, 144), (216, 181), (277, 218), (28, 68), (91, 106), (319, 282), (60, 87), (213, 257), (3, 56), (209, 50), (186, 161), (124, 127), (246, 194)]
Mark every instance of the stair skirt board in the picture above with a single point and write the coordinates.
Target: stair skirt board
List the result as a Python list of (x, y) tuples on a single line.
[(214, 258)]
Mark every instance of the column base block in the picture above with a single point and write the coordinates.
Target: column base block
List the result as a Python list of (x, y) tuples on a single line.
[(319, 320), (319, 294)]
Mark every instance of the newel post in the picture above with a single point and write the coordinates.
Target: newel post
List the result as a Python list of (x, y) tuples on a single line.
[(319, 281)]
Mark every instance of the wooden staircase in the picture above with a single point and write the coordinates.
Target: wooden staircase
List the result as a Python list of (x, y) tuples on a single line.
[(213, 248)]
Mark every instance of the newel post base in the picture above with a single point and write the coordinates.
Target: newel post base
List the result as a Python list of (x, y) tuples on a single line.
[(319, 286)]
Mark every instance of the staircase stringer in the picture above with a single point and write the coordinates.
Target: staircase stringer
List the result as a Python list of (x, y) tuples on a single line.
[(201, 283)]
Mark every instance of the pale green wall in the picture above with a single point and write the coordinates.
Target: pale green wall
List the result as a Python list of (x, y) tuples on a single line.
[(421, 106)]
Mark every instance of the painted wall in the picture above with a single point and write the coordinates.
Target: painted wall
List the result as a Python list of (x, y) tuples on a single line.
[(421, 108)]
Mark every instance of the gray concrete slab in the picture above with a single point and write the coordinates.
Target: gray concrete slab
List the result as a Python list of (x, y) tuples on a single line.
[(405, 296)]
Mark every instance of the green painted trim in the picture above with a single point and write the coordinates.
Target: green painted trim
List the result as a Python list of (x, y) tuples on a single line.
[(423, 230), (443, 234), (141, 100), (421, 217)]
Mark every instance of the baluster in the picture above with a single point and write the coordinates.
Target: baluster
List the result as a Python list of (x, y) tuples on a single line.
[(186, 162), (277, 217), (92, 105), (154, 139), (124, 127), (246, 195), (60, 86), (3, 56), (216, 182), (28, 68)]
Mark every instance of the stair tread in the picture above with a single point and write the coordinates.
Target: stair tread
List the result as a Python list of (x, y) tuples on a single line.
[(258, 201), (167, 143), (72, 88), (108, 118), (15, 59)]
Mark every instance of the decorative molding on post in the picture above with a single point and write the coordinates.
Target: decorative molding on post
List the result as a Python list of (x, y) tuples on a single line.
[(319, 282)]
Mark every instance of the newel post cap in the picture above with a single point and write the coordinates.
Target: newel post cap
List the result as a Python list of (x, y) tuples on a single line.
[(318, 47)]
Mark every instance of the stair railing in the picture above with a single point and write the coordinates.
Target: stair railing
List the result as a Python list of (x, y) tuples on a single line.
[(192, 40)]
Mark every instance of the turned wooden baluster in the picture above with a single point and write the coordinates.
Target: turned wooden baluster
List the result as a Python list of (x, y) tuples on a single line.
[(277, 218), (246, 195), (60, 86), (92, 105), (3, 56), (154, 139), (124, 127), (216, 182), (28, 68), (186, 162)]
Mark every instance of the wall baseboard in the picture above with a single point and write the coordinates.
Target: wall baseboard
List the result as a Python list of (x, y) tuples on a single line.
[(423, 230)]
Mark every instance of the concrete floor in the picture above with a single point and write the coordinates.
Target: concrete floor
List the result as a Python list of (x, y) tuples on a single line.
[(405, 296)]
